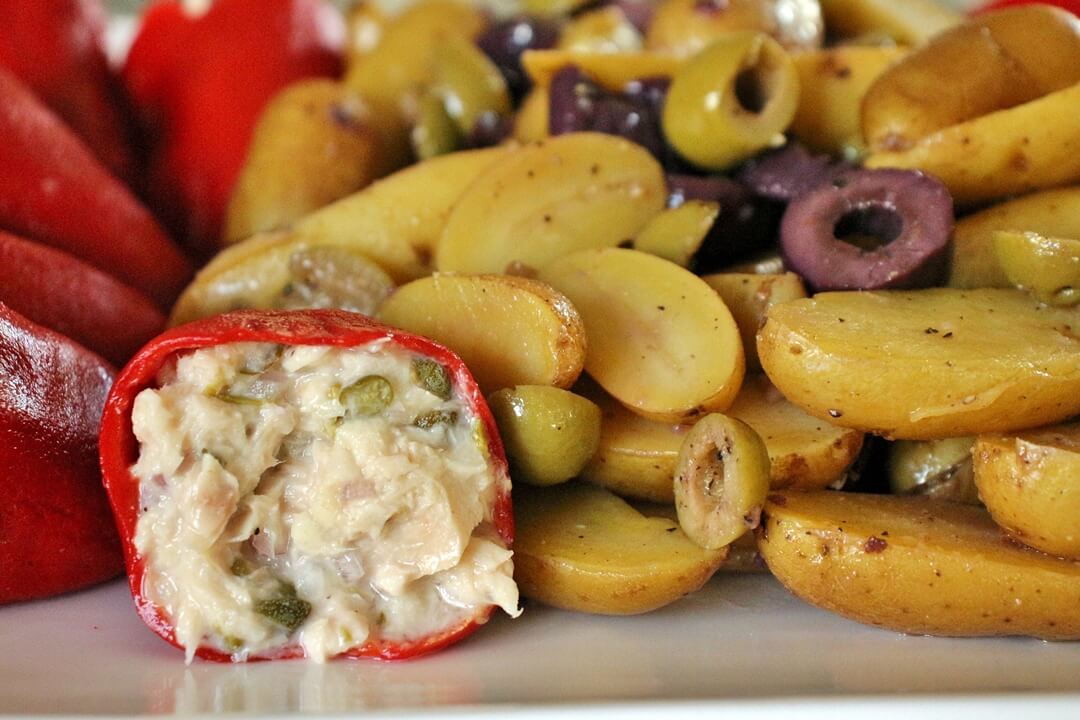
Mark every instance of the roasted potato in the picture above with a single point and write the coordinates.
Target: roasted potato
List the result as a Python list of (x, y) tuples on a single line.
[(685, 27), (749, 297), (910, 22), (576, 191), (974, 264), (916, 565), (661, 341), (581, 548), (315, 142), (508, 330), (925, 364), (1030, 483)]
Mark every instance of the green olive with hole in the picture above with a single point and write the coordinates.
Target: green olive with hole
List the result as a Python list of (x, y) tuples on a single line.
[(549, 433), (937, 468), (731, 101), (1048, 268)]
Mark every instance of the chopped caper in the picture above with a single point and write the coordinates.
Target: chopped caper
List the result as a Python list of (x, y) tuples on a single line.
[(369, 395), (289, 612), (432, 418), (431, 376), (240, 567)]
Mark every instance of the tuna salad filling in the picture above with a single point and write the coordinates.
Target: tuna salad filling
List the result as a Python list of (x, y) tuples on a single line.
[(314, 496)]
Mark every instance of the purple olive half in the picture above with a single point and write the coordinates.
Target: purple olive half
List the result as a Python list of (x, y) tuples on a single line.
[(788, 172), (869, 230)]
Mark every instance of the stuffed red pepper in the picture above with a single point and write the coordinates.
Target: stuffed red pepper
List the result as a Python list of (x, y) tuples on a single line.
[(309, 483)]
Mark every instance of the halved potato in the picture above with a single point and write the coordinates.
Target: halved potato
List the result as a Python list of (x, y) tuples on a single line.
[(609, 70), (549, 433), (276, 271), (1030, 483), (398, 220), (910, 22), (661, 341), (925, 364), (916, 565), (1028, 147), (581, 548), (676, 234), (805, 453), (635, 457), (576, 191), (749, 297), (508, 330), (974, 263)]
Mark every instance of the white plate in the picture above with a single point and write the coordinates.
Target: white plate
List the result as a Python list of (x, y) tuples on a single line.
[(743, 638)]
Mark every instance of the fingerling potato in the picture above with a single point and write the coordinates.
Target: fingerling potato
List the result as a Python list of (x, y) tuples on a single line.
[(661, 341), (567, 193), (749, 297), (508, 330), (1030, 483), (916, 565), (579, 547), (925, 364)]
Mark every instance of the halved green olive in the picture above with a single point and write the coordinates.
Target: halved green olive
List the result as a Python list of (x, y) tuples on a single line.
[(434, 132), (938, 468), (468, 82), (333, 277), (1048, 268)]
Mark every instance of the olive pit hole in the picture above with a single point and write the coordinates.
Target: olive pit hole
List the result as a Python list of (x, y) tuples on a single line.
[(752, 89), (869, 227)]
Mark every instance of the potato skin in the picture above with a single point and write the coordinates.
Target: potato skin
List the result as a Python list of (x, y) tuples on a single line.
[(1029, 484), (925, 364), (579, 547), (916, 565)]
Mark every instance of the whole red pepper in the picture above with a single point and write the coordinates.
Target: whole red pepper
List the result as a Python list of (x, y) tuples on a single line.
[(336, 328), (53, 190), (64, 294), (56, 48), (199, 82), (56, 531)]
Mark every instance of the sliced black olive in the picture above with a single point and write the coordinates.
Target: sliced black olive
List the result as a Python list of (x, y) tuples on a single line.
[(869, 229), (505, 41), (788, 172)]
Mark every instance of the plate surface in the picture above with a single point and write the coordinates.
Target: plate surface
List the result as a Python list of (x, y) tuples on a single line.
[(741, 638)]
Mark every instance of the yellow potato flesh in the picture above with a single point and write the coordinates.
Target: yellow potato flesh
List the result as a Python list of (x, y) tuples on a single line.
[(531, 119), (398, 220), (605, 29), (661, 341), (916, 565), (685, 27), (1030, 483), (576, 191), (508, 330), (805, 452), (314, 143), (611, 71), (1054, 213), (749, 297), (581, 548), (910, 22), (832, 84), (927, 364), (1029, 147)]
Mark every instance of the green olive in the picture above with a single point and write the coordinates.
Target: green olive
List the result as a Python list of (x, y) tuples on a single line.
[(605, 29), (721, 480), (333, 277), (938, 468), (1048, 268), (435, 132), (732, 100), (468, 82), (369, 395), (288, 611), (549, 433), (432, 376), (676, 234)]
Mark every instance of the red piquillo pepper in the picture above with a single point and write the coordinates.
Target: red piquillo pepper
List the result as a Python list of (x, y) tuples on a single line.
[(56, 532), (198, 82), (53, 190), (411, 392)]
